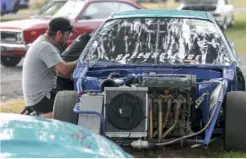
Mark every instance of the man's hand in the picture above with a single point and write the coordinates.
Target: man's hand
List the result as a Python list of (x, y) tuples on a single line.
[(64, 76)]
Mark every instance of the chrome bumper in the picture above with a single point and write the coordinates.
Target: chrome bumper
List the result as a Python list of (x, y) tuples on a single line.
[(14, 47)]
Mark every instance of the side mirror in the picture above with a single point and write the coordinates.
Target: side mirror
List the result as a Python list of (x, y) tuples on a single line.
[(233, 48)]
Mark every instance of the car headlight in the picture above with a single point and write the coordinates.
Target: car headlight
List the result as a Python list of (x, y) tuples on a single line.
[(19, 37)]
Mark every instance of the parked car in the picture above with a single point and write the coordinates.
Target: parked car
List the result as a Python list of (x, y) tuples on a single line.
[(222, 10), (12, 6), (86, 16), (151, 78), (24, 136), (24, 4)]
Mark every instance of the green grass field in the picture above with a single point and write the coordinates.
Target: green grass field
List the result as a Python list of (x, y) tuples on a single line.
[(231, 154), (238, 33)]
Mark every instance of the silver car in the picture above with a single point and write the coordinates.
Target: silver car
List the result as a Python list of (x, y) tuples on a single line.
[(222, 10)]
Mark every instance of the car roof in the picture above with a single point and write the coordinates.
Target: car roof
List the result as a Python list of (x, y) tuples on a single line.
[(163, 13)]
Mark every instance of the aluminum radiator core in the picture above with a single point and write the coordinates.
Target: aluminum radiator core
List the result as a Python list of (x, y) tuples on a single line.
[(126, 111)]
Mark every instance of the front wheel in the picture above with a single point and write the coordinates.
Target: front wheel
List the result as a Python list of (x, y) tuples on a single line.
[(10, 61), (235, 121), (63, 106)]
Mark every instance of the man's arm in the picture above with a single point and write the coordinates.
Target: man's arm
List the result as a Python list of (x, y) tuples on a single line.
[(65, 69)]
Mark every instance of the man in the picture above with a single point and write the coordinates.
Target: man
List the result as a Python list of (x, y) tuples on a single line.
[(42, 63)]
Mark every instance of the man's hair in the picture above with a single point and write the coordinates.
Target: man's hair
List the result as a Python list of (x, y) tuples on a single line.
[(59, 24)]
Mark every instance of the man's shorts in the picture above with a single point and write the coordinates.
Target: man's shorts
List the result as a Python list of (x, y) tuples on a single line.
[(46, 104)]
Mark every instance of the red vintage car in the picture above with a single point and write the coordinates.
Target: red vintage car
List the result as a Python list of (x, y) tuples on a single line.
[(85, 15)]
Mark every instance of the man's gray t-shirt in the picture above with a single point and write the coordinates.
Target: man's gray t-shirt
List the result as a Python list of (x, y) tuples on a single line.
[(39, 73)]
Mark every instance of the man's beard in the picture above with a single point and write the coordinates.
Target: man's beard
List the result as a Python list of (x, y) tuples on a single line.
[(61, 45)]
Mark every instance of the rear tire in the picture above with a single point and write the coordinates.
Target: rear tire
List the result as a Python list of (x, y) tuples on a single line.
[(10, 61), (235, 121), (63, 106)]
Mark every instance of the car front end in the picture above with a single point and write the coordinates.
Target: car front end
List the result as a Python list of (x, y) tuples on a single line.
[(156, 78), (16, 40), (12, 43)]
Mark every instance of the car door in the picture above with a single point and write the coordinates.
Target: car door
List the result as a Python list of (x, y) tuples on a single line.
[(95, 12)]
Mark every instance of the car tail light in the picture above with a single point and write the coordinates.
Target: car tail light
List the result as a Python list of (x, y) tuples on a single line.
[(33, 33)]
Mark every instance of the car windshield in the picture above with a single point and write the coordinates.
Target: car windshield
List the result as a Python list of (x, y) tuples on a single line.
[(158, 41), (54, 8)]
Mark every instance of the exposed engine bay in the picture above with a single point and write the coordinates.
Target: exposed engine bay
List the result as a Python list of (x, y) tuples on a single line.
[(153, 108), (168, 104)]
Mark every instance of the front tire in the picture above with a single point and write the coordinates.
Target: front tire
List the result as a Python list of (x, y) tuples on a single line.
[(63, 106), (10, 61), (235, 121)]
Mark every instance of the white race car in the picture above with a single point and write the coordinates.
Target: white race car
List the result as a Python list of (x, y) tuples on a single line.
[(222, 10)]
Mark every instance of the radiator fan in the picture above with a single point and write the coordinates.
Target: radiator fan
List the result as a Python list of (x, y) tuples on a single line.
[(125, 111)]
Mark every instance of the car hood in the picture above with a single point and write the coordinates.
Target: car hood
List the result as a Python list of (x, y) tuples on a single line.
[(26, 24), (27, 137)]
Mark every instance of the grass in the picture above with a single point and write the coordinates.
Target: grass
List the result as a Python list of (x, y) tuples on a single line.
[(231, 154), (12, 106), (239, 3), (238, 33)]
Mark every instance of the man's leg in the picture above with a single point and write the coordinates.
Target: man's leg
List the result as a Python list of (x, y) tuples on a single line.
[(44, 107), (46, 115)]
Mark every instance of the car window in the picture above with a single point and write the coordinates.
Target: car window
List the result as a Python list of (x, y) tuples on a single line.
[(98, 10), (102, 10), (158, 41), (71, 9), (124, 6), (63, 8), (51, 7)]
